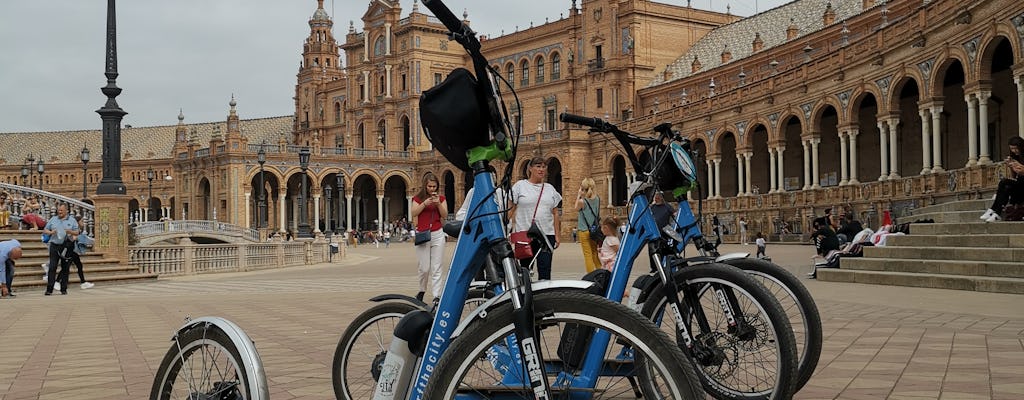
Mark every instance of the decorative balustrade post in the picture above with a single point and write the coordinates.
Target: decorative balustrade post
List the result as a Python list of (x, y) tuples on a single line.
[(243, 260), (188, 256)]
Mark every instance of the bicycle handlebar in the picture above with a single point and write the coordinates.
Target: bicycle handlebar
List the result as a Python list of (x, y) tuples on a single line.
[(599, 125)]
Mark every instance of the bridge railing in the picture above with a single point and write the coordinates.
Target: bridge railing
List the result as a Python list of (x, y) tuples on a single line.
[(18, 195), (191, 259), (144, 230)]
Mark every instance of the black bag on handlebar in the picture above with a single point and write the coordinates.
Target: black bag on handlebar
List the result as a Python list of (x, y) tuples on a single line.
[(454, 117)]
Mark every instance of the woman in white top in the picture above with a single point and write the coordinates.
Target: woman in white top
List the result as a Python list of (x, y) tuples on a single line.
[(535, 201)]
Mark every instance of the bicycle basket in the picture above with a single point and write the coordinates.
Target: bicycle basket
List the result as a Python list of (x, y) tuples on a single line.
[(681, 175), (454, 117)]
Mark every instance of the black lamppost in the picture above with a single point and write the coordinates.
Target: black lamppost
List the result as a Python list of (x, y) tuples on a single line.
[(327, 210), (24, 174), (261, 158), (149, 213), (340, 183), (40, 170), (304, 231), (85, 170), (111, 114)]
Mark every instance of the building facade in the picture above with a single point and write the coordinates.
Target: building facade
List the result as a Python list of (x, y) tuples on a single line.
[(860, 106)]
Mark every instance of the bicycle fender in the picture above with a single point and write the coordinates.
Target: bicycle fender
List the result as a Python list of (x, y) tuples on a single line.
[(402, 298), (246, 350), (731, 256), (538, 287)]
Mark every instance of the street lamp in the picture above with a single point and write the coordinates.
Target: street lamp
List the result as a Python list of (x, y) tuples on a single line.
[(340, 183), (85, 169), (304, 231), (39, 168), (149, 213), (261, 158), (24, 174)]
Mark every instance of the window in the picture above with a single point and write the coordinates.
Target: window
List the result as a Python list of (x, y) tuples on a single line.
[(556, 67), (404, 85), (437, 78), (510, 73), (597, 52), (337, 113), (551, 119), (380, 87), (600, 98), (378, 46), (525, 67), (362, 91), (540, 70)]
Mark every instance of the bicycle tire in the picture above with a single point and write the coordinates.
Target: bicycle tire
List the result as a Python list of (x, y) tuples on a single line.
[(795, 299), (661, 363), (208, 340), (721, 377), (352, 378)]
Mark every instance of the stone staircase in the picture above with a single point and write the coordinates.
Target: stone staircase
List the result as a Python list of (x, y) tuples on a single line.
[(99, 269), (958, 251)]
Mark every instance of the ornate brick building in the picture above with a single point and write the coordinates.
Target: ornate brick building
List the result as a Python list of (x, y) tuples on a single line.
[(810, 105)]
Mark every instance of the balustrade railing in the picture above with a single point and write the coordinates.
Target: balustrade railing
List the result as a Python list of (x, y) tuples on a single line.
[(190, 258), (150, 229), (203, 152), (19, 195)]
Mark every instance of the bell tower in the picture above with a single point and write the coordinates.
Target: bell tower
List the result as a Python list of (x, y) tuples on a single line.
[(320, 65)]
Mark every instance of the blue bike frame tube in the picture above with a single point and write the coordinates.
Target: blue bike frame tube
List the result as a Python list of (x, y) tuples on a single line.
[(481, 229), (640, 229), (686, 225)]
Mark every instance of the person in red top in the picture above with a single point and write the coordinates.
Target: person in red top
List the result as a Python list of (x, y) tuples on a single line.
[(430, 211)]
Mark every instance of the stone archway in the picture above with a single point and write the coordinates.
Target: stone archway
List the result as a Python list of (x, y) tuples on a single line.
[(1003, 106), (396, 206), (910, 160), (263, 203), (204, 206), (793, 157), (729, 167), (953, 119), (618, 184), (760, 162), (700, 156), (828, 147), (364, 202), (555, 175), (868, 144)]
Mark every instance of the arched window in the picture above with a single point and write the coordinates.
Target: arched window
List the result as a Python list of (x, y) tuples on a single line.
[(556, 67), (525, 67), (540, 69), (381, 133), (378, 46), (510, 73), (361, 137), (337, 113)]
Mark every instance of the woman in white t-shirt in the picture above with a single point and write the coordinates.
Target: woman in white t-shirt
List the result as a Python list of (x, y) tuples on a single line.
[(535, 201)]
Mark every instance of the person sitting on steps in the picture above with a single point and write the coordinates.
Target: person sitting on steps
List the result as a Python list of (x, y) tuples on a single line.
[(1011, 188)]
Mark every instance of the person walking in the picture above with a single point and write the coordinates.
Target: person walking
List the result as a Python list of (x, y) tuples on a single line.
[(81, 246), (761, 245), (1011, 188), (535, 201), (429, 210), (63, 231), (10, 250), (588, 206)]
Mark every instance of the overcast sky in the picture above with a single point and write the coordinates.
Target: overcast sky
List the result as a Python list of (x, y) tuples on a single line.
[(193, 54)]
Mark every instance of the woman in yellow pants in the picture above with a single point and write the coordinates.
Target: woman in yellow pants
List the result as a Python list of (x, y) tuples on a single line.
[(588, 207)]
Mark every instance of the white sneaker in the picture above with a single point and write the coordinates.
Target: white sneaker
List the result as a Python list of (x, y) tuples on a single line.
[(44, 278), (993, 218), (87, 285), (988, 213), (43, 266), (56, 286)]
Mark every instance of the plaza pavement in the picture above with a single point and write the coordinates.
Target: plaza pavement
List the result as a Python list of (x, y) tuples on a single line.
[(107, 342)]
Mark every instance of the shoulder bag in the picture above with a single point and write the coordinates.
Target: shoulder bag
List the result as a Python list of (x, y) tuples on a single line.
[(595, 226), (521, 239), (424, 236)]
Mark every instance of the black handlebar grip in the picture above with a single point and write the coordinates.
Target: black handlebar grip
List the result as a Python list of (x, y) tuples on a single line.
[(445, 15), (580, 120)]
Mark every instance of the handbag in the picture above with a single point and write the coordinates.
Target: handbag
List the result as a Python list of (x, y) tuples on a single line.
[(424, 236), (521, 239), (595, 228)]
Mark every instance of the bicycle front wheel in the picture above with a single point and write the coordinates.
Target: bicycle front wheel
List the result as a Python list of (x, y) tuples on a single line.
[(798, 305), (744, 347), (203, 363), (640, 361)]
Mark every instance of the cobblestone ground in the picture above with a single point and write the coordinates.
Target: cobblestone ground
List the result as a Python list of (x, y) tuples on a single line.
[(107, 342)]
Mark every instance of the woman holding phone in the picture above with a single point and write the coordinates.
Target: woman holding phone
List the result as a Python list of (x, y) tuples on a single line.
[(428, 208)]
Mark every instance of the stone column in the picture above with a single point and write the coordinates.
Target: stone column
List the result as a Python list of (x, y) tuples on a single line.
[(316, 213), (853, 155), (366, 49), (972, 130), (883, 144), (1019, 80), (348, 211), (937, 139), (926, 141), (816, 173), (281, 196), (739, 175), (408, 200), (807, 163), (746, 179), (893, 151), (718, 178), (773, 173), (711, 180), (380, 211), (387, 38), (844, 168), (248, 211), (984, 157), (111, 225), (366, 87), (295, 215), (782, 169), (387, 80)]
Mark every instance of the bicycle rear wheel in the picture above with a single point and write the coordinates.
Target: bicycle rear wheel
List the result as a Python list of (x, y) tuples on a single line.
[(752, 364), (639, 361), (798, 304), (203, 363)]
